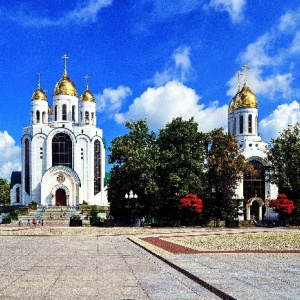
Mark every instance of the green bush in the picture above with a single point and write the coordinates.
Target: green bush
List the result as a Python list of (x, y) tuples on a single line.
[(6, 220), (75, 217)]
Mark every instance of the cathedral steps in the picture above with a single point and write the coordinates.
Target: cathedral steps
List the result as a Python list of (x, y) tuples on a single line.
[(52, 215)]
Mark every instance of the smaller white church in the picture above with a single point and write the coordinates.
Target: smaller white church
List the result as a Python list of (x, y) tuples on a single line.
[(253, 193), (63, 152)]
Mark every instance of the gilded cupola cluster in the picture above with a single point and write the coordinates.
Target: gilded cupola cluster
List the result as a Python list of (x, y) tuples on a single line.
[(244, 98), (65, 86)]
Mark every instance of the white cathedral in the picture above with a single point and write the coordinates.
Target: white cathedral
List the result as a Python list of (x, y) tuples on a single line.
[(63, 152), (253, 193)]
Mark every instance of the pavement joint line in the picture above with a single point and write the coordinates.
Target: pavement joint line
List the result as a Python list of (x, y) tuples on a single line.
[(150, 257), (209, 287)]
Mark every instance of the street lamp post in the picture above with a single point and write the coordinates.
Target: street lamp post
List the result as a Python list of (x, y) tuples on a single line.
[(131, 196)]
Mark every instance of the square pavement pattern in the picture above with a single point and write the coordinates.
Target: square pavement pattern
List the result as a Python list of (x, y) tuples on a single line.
[(113, 267)]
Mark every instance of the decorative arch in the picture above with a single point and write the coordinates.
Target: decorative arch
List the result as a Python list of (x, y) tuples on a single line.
[(60, 199), (254, 207), (60, 177)]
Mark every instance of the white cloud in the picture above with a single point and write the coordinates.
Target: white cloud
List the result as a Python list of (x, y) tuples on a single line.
[(289, 21), (110, 101), (10, 155), (84, 12), (295, 47), (162, 104), (179, 69), (158, 10), (271, 67), (235, 8), (283, 116)]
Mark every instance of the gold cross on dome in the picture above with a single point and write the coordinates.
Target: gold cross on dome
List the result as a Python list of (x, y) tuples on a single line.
[(39, 80), (239, 73), (65, 57), (245, 67), (87, 81)]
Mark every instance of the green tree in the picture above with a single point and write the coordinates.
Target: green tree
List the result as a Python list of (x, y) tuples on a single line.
[(284, 158), (181, 165), (4, 192), (225, 166), (134, 158)]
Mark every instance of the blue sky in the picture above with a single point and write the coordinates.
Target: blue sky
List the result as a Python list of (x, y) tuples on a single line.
[(150, 59)]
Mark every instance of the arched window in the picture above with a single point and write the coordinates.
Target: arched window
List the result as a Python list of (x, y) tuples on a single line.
[(55, 113), (250, 124), (64, 112), (73, 113), (234, 126), (62, 150), (81, 120), (256, 125), (97, 167), (44, 117), (87, 116), (38, 116), (27, 166), (92, 118), (241, 124), (18, 195), (254, 186)]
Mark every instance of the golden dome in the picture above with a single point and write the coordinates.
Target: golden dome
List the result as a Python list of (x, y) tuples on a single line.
[(65, 86), (39, 95), (87, 96), (246, 98)]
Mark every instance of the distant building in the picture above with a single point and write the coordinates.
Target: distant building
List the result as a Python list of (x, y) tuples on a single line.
[(63, 153), (253, 193)]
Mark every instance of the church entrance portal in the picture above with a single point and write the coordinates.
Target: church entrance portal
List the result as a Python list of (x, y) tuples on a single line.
[(254, 210), (60, 197)]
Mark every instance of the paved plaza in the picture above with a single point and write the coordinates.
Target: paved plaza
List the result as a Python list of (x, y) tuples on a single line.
[(111, 266)]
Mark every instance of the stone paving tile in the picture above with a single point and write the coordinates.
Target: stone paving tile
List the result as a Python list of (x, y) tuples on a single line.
[(160, 286), (90, 267), (111, 267), (246, 276)]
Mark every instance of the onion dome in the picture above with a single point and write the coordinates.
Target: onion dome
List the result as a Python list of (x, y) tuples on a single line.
[(244, 98), (65, 86), (247, 98), (87, 95), (39, 94)]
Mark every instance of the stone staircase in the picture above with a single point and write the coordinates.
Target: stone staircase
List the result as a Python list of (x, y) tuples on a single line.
[(52, 215)]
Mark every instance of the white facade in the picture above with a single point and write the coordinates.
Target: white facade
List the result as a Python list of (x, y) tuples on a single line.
[(252, 193), (63, 152)]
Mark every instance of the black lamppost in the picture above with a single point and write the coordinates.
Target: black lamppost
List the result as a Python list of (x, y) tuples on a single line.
[(131, 197)]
